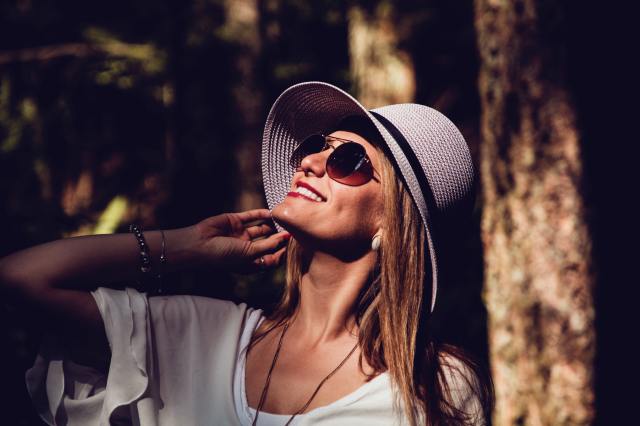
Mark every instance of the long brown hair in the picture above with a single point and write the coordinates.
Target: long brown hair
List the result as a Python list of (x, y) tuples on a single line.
[(393, 315)]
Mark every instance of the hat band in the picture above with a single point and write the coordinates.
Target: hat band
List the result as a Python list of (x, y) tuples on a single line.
[(418, 170)]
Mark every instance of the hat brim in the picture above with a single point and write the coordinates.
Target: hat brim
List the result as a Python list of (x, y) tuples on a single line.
[(314, 107)]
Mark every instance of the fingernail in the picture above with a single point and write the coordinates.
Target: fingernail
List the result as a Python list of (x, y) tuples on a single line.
[(286, 236)]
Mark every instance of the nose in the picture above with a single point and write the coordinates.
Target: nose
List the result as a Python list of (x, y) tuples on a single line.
[(315, 163)]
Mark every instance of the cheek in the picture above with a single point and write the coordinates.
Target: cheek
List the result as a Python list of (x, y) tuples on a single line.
[(364, 208)]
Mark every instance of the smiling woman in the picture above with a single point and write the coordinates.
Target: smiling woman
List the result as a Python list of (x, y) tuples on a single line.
[(359, 196), (358, 266)]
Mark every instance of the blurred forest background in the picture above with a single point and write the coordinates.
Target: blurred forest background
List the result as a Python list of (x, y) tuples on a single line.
[(152, 112)]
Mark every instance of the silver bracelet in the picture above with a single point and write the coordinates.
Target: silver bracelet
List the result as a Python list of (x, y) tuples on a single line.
[(163, 262)]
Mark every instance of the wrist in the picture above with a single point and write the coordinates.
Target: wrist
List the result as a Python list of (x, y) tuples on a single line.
[(181, 249)]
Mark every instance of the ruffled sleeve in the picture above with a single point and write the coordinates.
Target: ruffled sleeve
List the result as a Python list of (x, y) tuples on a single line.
[(64, 392)]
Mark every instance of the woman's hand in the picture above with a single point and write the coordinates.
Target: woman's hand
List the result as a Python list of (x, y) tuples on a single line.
[(229, 241)]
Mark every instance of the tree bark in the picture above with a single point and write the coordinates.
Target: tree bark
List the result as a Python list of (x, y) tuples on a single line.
[(381, 73), (538, 270)]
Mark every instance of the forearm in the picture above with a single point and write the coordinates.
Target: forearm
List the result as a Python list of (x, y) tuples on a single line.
[(85, 262)]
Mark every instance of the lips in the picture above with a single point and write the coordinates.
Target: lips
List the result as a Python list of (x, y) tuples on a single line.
[(312, 189), (307, 192), (298, 195)]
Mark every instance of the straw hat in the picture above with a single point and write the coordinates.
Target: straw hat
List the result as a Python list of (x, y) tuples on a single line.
[(427, 150)]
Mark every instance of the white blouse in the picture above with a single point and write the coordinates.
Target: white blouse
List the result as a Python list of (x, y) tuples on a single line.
[(178, 360), (377, 388)]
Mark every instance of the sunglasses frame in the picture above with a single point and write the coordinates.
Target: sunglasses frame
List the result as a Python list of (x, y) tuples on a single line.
[(363, 164)]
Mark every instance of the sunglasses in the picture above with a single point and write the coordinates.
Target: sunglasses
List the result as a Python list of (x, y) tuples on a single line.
[(347, 164)]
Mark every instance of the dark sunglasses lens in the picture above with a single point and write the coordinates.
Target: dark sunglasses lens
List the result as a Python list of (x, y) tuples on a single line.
[(348, 164), (312, 145)]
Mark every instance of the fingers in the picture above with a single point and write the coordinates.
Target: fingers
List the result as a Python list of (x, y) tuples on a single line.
[(270, 260), (268, 245), (261, 230), (255, 214)]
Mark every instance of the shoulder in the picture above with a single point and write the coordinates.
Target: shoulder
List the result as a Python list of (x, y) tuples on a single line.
[(199, 306), (206, 314), (175, 316), (462, 387), (175, 307), (457, 372)]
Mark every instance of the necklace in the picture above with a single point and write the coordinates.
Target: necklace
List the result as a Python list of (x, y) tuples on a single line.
[(273, 363)]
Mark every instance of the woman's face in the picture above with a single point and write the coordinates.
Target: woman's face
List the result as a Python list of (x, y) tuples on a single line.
[(347, 216)]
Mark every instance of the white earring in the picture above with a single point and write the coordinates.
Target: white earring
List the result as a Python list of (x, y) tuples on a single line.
[(375, 243)]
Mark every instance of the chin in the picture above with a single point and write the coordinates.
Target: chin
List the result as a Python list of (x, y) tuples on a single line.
[(283, 216), (289, 218)]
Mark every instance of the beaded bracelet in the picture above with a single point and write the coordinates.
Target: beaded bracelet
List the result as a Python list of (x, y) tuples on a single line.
[(145, 258)]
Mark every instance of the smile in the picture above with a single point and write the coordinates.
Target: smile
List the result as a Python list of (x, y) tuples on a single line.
[(303, 188), (301, 192)]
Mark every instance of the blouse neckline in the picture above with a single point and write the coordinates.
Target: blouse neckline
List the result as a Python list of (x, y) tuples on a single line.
[(341, 402)]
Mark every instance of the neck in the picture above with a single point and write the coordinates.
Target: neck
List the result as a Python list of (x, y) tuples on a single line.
[(328, 293)]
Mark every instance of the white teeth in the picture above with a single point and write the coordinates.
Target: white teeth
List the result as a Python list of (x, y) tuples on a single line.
[(307, 193)]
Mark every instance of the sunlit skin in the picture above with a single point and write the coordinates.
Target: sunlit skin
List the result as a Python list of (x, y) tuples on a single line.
[(345, 223), (337, 236)]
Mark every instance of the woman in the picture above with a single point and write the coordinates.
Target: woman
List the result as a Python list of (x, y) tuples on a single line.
[(361, 194)]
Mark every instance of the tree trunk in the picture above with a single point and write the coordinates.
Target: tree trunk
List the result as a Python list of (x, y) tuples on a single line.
[(381, 73), (538, 270)]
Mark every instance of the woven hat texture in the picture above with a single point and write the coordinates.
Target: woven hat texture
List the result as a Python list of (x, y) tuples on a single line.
[(427, 149)]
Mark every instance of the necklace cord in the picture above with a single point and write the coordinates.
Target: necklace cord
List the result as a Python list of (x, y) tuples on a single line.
[(268, 380), (321, 383)]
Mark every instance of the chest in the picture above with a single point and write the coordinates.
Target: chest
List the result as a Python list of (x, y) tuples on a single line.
[(297, 374)]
